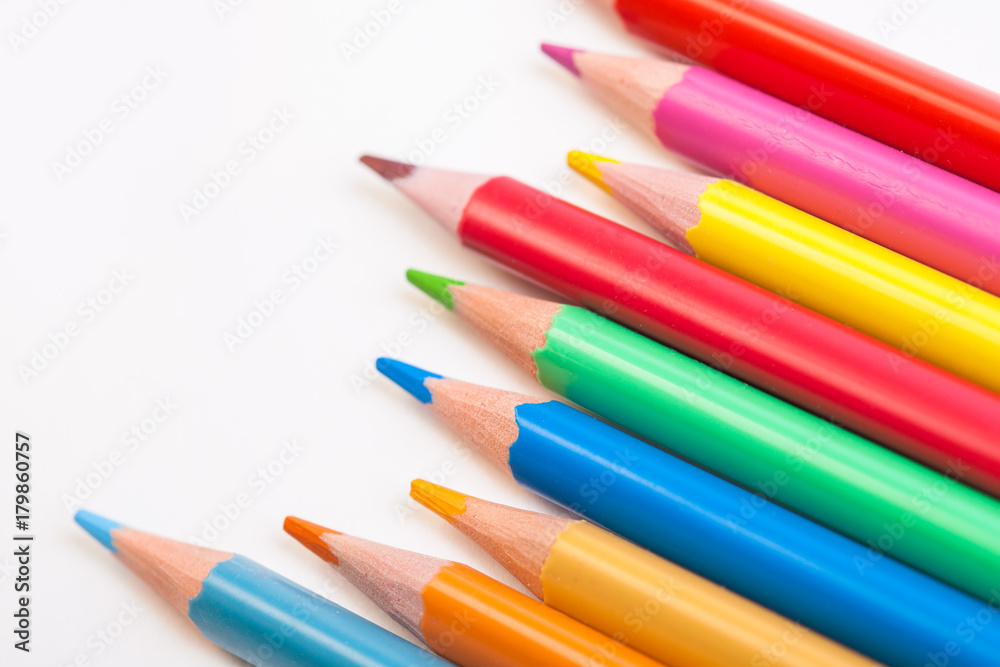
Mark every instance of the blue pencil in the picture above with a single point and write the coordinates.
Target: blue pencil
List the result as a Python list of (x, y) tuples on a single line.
[(251, 611), (798, 568)]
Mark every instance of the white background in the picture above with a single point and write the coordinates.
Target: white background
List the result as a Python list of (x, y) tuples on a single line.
[(301, 375)]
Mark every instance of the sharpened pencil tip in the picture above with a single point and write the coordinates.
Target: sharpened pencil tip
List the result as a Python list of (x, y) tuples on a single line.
[(98, 527), (562, 55), (390, 170), (586, 165), (310, 535), (441, 500), (408, 377), (434, 286)]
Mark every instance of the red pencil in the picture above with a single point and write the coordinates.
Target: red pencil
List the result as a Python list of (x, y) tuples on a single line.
[(899, 101), (763, 339)]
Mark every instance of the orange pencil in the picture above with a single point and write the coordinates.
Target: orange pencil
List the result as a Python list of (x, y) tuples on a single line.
[(460, 613), (619, 588)]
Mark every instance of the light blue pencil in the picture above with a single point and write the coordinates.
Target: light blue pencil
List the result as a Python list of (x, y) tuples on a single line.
[(251, 611)]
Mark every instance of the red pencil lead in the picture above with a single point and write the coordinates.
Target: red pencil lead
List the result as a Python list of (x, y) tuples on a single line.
[(390, 170)]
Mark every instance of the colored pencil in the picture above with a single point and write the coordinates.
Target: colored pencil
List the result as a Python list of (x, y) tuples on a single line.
[(868, 88), (625, 591), (840, 176), (747, 436), (749, 333), (251, 611), (870, 288), (732, 536), (462, 614)]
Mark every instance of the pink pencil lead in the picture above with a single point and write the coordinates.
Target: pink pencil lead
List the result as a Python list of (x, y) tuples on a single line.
[(562, 55)]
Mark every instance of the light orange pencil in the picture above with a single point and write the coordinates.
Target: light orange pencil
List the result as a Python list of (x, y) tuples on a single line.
[(460, 613), (638, 598)]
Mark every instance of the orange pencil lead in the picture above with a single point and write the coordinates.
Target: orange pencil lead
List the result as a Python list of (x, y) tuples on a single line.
[(310, 535)]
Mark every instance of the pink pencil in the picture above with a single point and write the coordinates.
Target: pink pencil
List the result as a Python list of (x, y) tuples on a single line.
[(730, 129)]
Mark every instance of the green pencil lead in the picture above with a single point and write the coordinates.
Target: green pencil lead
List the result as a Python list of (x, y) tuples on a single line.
[(434, 286)]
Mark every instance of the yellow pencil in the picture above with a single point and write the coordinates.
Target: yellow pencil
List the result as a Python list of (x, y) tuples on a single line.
[(924, 312), (640, 599)]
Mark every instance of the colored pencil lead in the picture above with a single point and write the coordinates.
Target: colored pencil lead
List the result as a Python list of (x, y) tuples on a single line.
[(390, 170), (310, 535), (514, 324), (585, 164), (442, 501), (484, 416), (562, 55), (173, 569), (406, 376), (672, 209), (517, 540), (605, 76), (442, 194), (392, 578), (433, 286), (99, 527)]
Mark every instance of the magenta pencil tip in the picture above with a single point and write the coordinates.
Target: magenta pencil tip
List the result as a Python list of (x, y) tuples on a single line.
[(562, 55), (390, 170)]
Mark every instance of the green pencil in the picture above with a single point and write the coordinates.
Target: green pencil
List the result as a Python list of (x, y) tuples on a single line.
[(888, 502)]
